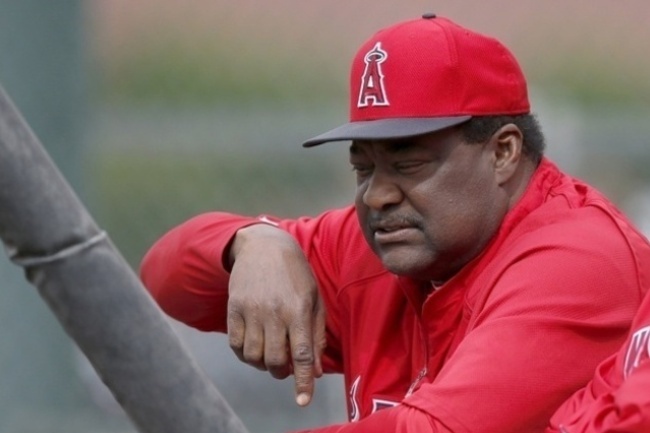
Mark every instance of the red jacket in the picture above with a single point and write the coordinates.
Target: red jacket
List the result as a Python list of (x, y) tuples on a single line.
[(618, 397), (496, 349)]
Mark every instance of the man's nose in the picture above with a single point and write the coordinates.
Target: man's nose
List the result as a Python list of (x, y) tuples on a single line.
[(381, 192)]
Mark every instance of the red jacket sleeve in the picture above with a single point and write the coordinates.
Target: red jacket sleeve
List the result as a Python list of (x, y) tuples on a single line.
[(624, 410), (400, 419), (184, 270)]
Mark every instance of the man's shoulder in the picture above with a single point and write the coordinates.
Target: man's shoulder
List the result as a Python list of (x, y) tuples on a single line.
[(593, 221), (563, 209)]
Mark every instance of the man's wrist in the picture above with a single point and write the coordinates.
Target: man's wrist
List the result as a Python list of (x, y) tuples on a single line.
[(246, 234)]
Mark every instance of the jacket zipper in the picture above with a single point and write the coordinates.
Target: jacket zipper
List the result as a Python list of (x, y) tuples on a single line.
[(423, 372), (421, 375)]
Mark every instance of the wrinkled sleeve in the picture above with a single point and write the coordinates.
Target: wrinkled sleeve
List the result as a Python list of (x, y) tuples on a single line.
[(624, 410), (400, 419), (184, 270), (627, 409)]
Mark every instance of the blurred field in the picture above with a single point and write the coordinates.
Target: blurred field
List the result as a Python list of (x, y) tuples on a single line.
[(584, 49)]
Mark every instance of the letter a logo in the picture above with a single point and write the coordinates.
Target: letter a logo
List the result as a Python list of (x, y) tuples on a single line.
[(372, 90)]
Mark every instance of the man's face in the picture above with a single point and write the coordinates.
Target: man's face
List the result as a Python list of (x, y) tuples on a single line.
[(427, 205)]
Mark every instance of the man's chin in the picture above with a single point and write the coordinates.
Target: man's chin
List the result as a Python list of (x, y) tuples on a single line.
[(406, 266)]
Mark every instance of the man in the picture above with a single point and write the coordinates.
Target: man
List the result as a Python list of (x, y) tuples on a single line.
[(617, 399), (472, 287)]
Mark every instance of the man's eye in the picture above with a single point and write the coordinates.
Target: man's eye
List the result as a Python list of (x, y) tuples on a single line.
[(409, 166), (361, 170)]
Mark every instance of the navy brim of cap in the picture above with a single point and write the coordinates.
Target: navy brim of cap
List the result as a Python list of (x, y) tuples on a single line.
[(386, 129)]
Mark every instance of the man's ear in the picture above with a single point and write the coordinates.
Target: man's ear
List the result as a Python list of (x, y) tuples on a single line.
[(507, 145)]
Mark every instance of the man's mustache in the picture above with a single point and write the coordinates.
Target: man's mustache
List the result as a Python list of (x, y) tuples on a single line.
[(380, 221)]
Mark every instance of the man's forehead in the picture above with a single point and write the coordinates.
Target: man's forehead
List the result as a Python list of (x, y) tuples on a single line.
[(390, 146)]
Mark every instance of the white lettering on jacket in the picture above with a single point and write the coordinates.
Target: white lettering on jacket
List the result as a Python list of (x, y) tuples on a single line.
[(637, 351)]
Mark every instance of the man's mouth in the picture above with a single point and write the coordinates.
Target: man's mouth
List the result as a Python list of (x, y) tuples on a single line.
[(386, 232)]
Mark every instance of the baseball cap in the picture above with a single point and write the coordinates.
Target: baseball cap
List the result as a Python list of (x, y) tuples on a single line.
[(427, 74)]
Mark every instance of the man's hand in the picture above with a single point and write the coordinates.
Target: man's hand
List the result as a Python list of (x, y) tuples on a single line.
[(276, 320)]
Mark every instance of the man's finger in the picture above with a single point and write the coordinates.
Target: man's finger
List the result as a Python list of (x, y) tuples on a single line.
[(236, 333), (254, 345), (319, 338), (276, 351), (302, 354)]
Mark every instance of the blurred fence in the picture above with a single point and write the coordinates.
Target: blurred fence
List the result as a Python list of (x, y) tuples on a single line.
[(198, 106)]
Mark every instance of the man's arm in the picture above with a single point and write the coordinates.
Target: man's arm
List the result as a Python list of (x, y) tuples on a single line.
[(224, 272), (399, 419), (185, 273), (624, 409)]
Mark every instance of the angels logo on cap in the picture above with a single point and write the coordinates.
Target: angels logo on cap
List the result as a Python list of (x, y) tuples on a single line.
[(372, 90), (436, 73)]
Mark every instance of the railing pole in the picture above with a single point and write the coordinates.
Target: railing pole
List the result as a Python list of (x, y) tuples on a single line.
[(96, 296)]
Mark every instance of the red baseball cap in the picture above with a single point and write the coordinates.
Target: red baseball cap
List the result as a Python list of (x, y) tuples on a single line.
[(427, 74)]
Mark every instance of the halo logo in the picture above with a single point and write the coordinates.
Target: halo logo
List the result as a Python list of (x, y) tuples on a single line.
[(355, 413), (372, 90)]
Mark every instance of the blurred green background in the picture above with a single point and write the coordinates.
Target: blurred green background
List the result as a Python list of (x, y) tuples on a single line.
[(158, 110), (202, 106)]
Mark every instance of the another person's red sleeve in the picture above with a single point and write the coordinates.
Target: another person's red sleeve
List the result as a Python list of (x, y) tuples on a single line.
[(625, 409)]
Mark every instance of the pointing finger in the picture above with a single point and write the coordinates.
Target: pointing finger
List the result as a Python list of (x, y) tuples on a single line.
[(319, 338), (302, 353)]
